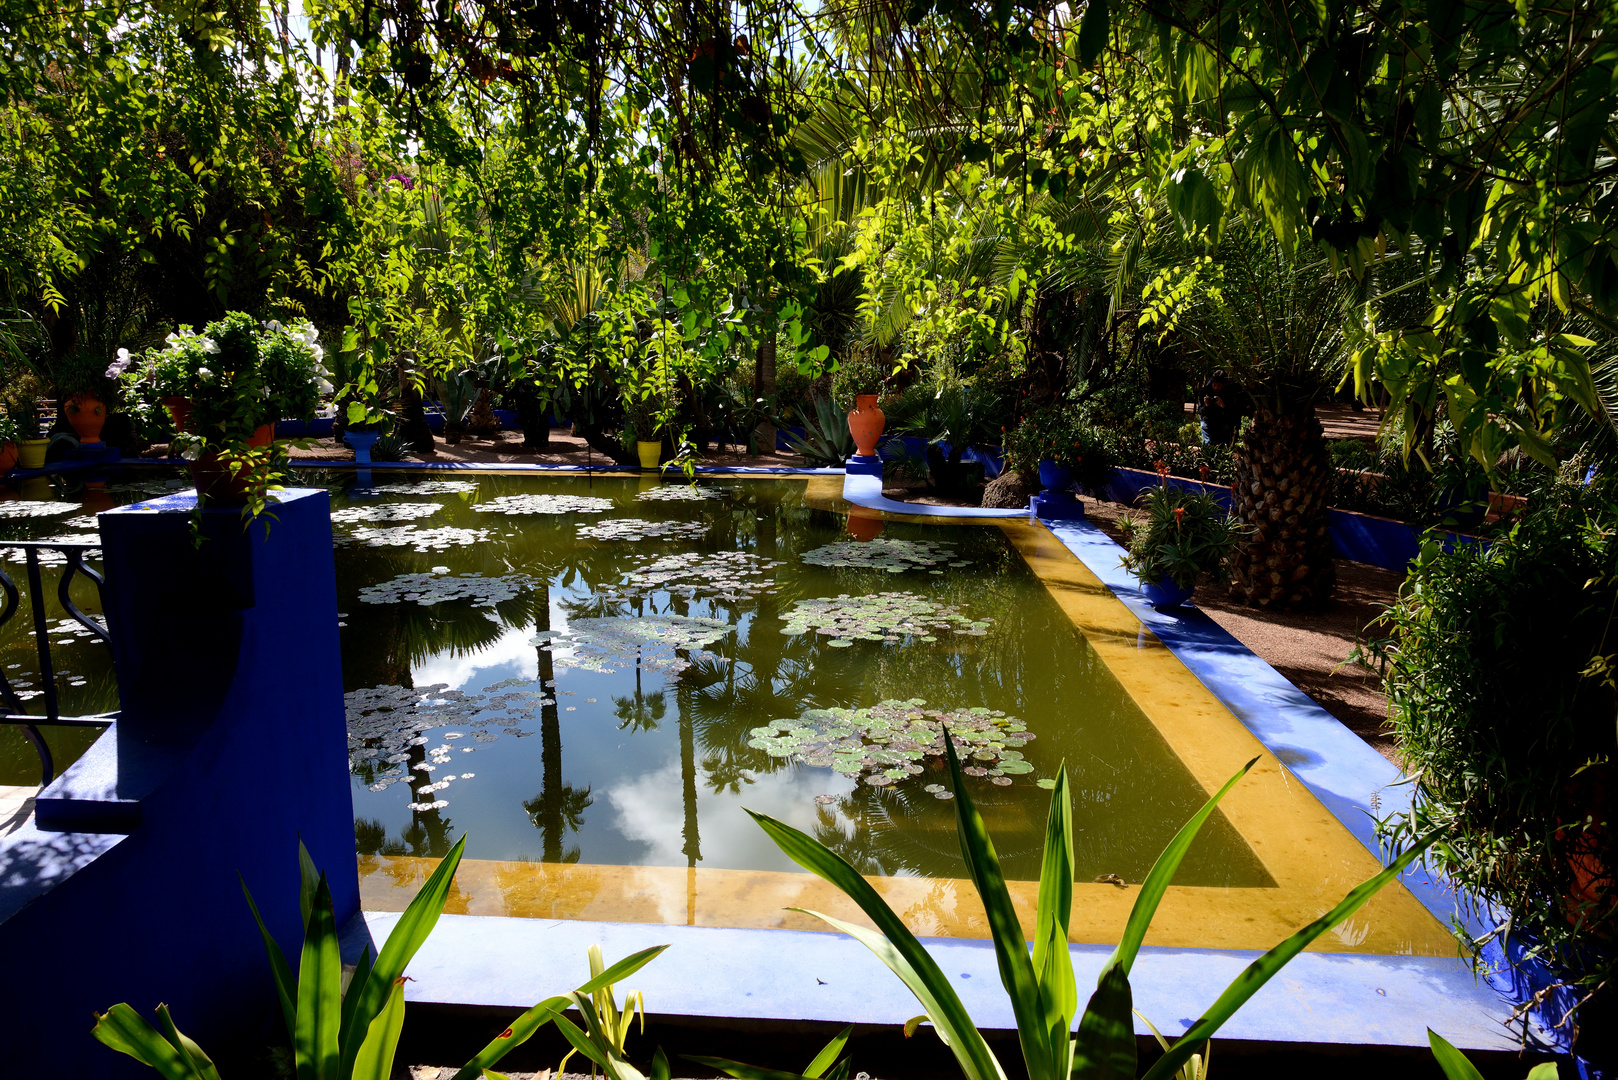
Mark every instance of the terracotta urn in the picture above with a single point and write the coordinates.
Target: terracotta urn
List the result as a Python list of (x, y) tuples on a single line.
[(864, 524), (214, 479), (9, 455), (865, 423), (179, 409), (87, 414)]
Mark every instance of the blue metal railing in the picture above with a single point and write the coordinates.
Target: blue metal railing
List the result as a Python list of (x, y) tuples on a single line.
[(15, 715)]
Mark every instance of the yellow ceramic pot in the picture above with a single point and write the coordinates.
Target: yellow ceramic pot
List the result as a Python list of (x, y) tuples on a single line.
[(31, 453), (649, 453)]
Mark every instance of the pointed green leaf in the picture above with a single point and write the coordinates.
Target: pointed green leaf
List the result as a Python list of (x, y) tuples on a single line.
[(519, 1032), (351, 997), (1260, 971), (622, 970), (1053, 962), (1105, 1047), (828, 1054), (742, 1071), (1452, 1061), (1028, 1002), (126, 1031), (320, 973), (660, 1065), (896, 947), (308, 881), (417, 921), (201, 1064), (1094, 29), (375, 1059), (280, 970), (1162, 873)]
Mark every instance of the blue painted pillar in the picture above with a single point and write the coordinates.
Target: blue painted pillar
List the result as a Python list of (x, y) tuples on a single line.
[(231, 746)]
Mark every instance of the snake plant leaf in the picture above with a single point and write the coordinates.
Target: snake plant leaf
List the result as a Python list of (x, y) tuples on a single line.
[(1452, 1061), (1053, 963), (417, 921), (1162, 873), (1028, 1003), (622, 970), (375, 1059), (351, 996), (199, 1061), (1105, 1047), (828, 1054), (320, 975), (516, 1033), (743, 1071), (895, 946), (126, 1031), (1260, 971), (280, 970), (308, 881)]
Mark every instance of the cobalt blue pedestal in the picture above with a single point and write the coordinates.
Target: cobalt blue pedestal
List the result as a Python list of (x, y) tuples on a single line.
[(1056, 506), (231, 745), (863, 465)]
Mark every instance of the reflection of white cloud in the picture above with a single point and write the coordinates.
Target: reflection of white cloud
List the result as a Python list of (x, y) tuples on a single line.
[(511, 655), (650, 808)]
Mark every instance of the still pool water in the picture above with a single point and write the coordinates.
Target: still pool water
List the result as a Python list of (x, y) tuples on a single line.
[(595, 670)]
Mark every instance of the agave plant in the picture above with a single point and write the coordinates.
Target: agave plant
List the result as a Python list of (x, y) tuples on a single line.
[(348, 1031), (826, 439), (1041, 986)]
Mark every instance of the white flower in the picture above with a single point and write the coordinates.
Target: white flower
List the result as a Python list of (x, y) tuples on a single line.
[(273, 326), (310, 334), (317, 352), (210, 346), (190, 453), (120, 365), (324, 387), (172, 339), (113, 371), (204, 373)]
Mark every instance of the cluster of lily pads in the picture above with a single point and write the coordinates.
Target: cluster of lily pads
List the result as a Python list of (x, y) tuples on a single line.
[(386, 722), (21, 508), (419, 487), (655, 642), (437, 587), (404, 511), (889, 742), (727, 574), (680, 493), (440, 539), (634, 529), (152, 487), (544, 504), (48, 557), (886, 616), (885, 553)]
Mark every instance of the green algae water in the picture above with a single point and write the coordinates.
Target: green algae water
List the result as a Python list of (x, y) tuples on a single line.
[(608, 670)]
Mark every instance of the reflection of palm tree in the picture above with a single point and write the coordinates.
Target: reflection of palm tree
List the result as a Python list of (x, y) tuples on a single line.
[(642, 711), (558, 808)]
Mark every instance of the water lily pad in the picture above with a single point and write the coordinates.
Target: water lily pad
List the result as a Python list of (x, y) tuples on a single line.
[(732, 574), (634, 529), (429, 589), (681, 493), (889, 742), (420, 539), (57, 558), (26, 508), (544, 504), (385, 512), (886, 616), (419, 487), (884, 553), (652, 641)]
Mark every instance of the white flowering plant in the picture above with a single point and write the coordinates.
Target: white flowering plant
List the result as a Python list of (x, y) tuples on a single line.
[(238, 374)]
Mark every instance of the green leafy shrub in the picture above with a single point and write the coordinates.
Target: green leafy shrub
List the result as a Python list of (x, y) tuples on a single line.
[(1184, 535), (1056, 433), (1501, 667)]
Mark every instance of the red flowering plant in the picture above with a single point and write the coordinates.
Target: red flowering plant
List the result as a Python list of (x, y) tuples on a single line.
[(1183, 534), (1055, 433)]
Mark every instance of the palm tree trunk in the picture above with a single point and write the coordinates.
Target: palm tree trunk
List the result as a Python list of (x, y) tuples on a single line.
[(1282, 492)]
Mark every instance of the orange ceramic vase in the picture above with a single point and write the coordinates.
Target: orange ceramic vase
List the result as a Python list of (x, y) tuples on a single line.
[(179, 409), (87, 413), (9, 456), (865, 423), (214, 479)]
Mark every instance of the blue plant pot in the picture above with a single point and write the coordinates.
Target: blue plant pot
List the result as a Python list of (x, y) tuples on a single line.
[(1054, 477), (362, 441), (1165, 595)]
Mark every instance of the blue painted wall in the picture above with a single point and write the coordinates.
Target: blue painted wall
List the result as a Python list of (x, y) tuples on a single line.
[(231, 684)]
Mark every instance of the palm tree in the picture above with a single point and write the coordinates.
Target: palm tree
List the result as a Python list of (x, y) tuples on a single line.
[(1276, 323)]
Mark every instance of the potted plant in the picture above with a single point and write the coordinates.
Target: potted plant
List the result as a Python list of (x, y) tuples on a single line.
[(9, 454), (85, 390), (1061, 449), (362, 412), (22, 420), (225, 388), (1183, 535)]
